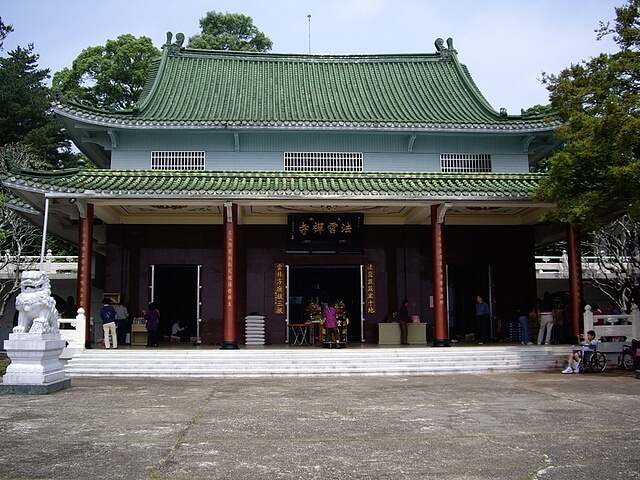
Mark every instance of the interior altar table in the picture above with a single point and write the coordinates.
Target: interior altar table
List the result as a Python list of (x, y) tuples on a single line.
[(138, 334), (389, 333)]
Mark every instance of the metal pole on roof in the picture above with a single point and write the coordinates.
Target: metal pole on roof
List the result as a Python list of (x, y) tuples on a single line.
[(309, 17), (44, 231)]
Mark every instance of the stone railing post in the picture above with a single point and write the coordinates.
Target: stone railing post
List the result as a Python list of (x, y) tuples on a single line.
[(635, 318), (588, 320)]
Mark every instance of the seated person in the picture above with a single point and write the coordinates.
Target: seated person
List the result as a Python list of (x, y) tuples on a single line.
[(589, 345), (177, 330), (392, 316)]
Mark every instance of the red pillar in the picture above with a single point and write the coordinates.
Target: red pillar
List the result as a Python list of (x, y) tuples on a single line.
[(229, 313), (85, 252), (575, 277), (441, 327)]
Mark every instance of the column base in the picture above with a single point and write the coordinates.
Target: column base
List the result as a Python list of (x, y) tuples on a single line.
[(441, 343), (35, 389), (229, 345)]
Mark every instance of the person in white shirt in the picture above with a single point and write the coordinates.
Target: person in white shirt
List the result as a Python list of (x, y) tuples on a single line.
[(589, 345), (179, 331), (122, 321)]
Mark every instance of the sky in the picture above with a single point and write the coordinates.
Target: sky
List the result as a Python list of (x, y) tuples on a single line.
[(506, 44)]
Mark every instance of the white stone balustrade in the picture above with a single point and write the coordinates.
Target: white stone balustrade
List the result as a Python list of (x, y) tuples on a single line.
[(631, 328), (75, 337), (52, 264)]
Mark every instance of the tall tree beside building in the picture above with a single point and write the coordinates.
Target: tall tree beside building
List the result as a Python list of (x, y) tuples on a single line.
[(598, 169), (110, 76), (25, 100), (4, 31), (229, 31)]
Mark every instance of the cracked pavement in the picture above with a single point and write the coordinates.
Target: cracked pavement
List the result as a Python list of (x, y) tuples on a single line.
[(476, 426)]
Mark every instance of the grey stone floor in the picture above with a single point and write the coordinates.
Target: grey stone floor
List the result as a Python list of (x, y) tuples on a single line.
[(478, 426)]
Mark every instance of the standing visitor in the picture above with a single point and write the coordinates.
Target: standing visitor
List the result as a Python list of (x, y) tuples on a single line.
[(330, 314), (152, 316), (525, 315), (482, 320), (122, 320), (546, 314), (403, 319), (108, 316)]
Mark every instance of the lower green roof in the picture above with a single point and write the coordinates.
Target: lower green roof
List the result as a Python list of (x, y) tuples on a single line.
[(274, 184)]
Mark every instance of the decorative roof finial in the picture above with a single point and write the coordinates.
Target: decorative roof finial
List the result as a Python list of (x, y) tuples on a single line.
[(445, 52), (176, 46)]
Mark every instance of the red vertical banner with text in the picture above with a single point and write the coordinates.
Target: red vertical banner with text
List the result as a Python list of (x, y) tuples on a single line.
[(278, 289), (370, 287)]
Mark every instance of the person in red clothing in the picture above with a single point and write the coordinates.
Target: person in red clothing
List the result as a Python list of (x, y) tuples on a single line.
[(330, 314)]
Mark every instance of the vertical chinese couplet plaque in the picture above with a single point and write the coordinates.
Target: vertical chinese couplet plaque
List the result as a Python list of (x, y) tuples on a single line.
[(370, 287), (278, 289)]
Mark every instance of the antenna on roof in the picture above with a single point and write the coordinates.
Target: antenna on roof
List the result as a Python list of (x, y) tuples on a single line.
[(309, 17)]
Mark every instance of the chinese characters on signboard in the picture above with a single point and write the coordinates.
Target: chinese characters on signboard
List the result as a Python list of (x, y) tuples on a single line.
[(278, 289), (370, 287), (325, 232)]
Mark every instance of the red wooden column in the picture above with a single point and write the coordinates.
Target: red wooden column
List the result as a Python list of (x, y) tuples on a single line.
[(441, 327), (229, 313), (575, 277), (85, 252)]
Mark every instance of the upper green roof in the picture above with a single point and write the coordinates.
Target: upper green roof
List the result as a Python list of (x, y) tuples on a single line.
[(261, 185), (222, 89)]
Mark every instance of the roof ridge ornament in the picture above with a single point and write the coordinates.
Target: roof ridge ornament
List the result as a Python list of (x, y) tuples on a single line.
[(446, 53), (176, 46)]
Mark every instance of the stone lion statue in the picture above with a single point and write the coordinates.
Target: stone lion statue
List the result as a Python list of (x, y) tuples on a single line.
[(36, 307)]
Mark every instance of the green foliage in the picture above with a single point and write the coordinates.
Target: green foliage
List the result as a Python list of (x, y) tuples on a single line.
[(229, 31), (4, 31), (24, 97), (599, 104), (110, 76), (25, 115)]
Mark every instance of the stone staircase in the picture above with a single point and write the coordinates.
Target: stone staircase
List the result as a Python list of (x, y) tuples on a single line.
[(314, 361)]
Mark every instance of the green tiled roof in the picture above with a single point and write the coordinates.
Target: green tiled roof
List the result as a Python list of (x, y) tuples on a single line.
[(268, 185), (221, 89)]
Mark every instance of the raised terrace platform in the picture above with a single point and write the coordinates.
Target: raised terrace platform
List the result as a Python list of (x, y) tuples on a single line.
[(210, 361)]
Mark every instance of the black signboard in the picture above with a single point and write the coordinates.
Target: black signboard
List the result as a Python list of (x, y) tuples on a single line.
[(325, 233)]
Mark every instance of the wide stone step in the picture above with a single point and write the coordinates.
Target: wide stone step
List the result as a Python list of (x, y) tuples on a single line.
[(314, 361)]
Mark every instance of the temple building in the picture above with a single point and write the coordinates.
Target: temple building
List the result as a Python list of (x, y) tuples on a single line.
[(260, 183)]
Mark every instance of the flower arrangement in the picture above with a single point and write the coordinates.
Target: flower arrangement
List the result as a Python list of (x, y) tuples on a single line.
[(313, 311)]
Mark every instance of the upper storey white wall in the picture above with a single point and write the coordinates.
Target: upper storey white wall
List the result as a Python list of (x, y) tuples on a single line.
[(393, 152)]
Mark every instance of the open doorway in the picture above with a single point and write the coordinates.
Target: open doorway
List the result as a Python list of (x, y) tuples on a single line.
[(465, 282), (324, 284), (175, 291)]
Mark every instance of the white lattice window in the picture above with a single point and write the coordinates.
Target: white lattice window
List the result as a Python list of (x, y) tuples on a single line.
[(323, 161), (465, 162), (177, 160)]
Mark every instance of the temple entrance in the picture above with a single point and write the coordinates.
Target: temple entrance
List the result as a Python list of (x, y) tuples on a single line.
[(464, 283), (322, 284), (175, 289)]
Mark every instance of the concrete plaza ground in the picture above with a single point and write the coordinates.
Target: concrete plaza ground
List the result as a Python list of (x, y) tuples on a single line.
[(472, 426)]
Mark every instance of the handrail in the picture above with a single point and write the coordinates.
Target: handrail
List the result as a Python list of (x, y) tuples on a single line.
[(53, 264)]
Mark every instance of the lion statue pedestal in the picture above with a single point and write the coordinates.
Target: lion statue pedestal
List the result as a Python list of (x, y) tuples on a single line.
[(35, 346)]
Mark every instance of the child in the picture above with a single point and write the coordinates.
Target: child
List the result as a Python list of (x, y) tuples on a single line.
[(589, 345)]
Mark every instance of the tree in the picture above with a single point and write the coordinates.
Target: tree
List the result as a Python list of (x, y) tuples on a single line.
[(110, 76), (616, 247), (229, 31), (4, 31), (21, 241), (25, 114), (24, 97), (598, 168)]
